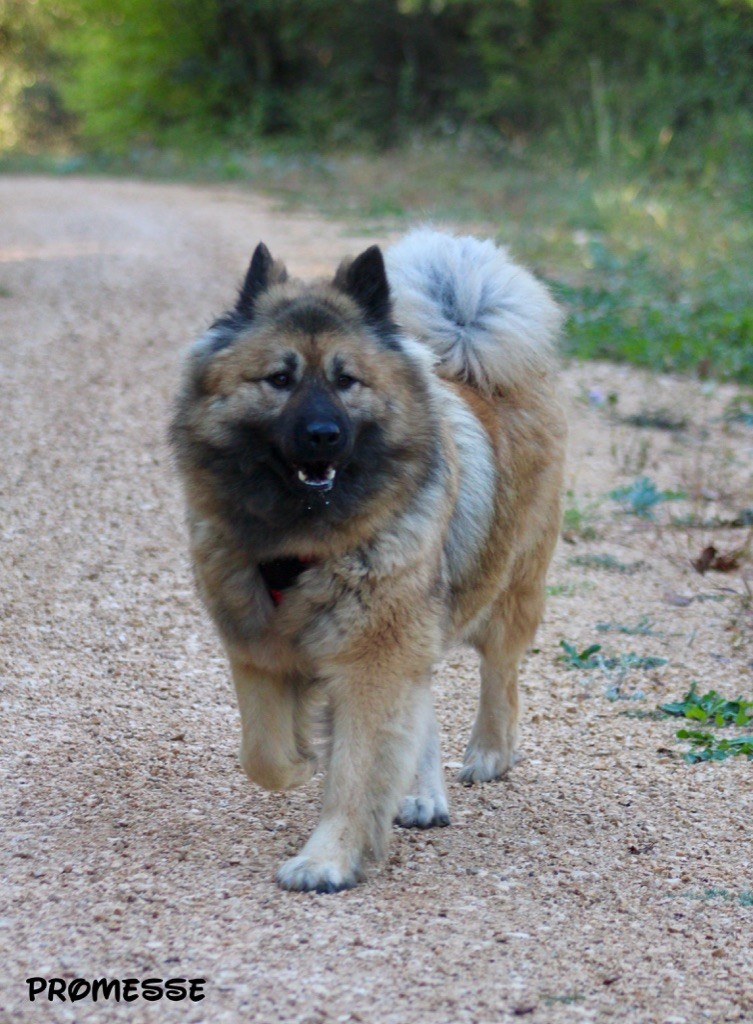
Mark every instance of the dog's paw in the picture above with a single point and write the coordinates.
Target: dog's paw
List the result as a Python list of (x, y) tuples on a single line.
[(484, 765), (306, 873), (423, 812)]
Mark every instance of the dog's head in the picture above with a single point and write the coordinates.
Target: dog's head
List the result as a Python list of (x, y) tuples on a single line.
[(303, 406)]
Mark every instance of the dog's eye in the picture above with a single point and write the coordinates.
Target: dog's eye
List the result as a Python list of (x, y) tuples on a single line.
[(345, 382), (282, 380)]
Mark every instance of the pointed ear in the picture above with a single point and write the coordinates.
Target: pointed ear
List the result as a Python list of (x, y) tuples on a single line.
[(365, 281), (262, 272)]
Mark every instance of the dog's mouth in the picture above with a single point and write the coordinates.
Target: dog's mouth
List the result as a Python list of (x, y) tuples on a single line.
[(316, 476)]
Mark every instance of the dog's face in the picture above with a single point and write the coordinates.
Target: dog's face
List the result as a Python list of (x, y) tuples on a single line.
[(302, 404)]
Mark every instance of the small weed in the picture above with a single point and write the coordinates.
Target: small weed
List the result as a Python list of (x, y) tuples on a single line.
[(5, 293), (632, 660), (568, 589), (606, 562), (643, 627), (640, 497), (578, 522), (591, 658), (694, 521), (567, 1000), (658, 419), (744, 898), (632, 455), (710, 708), (705, 746), (739, 410), (585, 659)]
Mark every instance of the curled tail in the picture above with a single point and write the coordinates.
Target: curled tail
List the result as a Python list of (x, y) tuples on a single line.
[(488, 320)]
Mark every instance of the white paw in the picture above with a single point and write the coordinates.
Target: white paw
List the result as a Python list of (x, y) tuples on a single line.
[(484, 765), (423, 812), (306, 873)]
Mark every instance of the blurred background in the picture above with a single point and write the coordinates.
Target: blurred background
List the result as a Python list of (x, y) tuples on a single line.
[(610, 143)]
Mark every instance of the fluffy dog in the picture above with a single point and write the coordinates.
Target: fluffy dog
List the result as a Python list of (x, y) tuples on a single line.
[(372, 468)]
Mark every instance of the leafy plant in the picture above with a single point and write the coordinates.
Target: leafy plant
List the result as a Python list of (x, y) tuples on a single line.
[(585, 659), (658, 419), (569, 589), (640, 497), (744, 898), (578, 521), (591, 658), (710, 707), (643, 627), (607, 562), (739, 410), (706, 746)]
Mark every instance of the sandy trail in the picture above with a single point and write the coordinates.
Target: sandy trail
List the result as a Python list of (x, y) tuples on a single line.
[(605, 880)]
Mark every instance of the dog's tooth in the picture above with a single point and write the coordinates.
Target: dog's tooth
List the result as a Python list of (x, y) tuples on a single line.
[(330, 474), (302, 476)]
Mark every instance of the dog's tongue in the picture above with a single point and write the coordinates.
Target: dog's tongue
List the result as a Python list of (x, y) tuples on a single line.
[(281, 574)]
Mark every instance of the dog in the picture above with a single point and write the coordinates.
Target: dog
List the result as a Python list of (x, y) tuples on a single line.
[(372, 468)]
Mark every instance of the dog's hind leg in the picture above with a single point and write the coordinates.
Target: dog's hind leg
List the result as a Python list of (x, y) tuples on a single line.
[(426, 805), (502, 642), (373, 760), (274, 749)]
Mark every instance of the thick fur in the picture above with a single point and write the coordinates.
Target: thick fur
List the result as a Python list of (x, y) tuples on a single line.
[(391, 447)]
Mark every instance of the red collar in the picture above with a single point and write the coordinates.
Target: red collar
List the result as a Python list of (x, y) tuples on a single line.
[(281, 574)]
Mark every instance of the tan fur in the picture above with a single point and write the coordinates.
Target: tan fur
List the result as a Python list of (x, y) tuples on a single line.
[(365, 623)]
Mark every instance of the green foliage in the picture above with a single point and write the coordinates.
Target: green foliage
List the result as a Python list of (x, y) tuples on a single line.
[(710, 707), (584, 659), (579, 521), (568, 589), (657, 419), (622, 315), (641, 496), (30, 107), (743, 898), (706, 746), (643, 627), (607, 562), (641, 83), (591, 658), (740, 410)]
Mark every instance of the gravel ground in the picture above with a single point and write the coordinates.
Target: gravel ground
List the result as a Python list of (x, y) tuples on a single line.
[(605, 880)]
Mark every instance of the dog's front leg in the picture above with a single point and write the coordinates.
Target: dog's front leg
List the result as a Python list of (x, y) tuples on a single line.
[(273, 711), (373, 759)]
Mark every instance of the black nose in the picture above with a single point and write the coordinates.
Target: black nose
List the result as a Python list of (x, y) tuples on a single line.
[(323, 435)]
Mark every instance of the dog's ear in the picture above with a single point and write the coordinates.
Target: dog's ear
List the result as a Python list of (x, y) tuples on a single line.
[(364, 279), (262, 272)]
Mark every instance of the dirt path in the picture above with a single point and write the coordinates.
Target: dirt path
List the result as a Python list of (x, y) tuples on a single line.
[(605, 881)]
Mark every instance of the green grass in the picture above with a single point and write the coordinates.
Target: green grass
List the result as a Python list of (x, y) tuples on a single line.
[(653, 272)]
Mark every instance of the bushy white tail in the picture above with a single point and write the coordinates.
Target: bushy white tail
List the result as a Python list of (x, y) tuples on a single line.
[(488, 320)]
